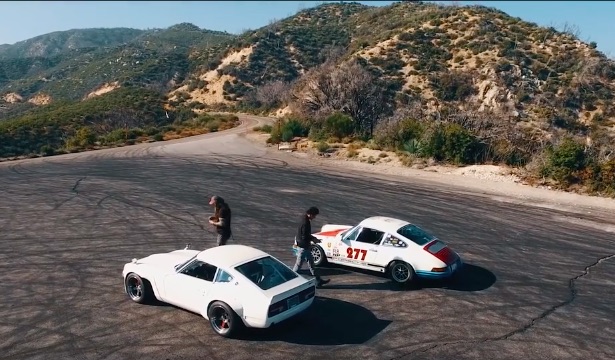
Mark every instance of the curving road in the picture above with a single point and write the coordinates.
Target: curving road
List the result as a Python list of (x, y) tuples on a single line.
[(536, 286)]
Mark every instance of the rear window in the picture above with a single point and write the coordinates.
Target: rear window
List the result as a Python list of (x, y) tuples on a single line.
[(415, 234), (266, 272)]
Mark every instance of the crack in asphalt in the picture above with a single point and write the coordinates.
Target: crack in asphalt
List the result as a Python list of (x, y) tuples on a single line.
[(74, 189), (572, 296)]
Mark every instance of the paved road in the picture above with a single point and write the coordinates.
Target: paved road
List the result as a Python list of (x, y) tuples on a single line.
[(534, 286)]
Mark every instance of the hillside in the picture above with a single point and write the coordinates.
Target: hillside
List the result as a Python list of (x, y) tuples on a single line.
[(61, 42), (424, 82), (77, 64), (455, 84)]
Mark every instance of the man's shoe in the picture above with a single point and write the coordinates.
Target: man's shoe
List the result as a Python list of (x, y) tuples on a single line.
[(322, 282)]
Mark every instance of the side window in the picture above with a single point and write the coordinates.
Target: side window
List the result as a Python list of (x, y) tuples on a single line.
[(200, 270), (222, 277), (352, 235), (370, 236), (391, 240)]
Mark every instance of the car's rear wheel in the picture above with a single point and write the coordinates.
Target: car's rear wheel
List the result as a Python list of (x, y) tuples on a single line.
[(138, 289), (223, 320), (318, 254), (401, 273)]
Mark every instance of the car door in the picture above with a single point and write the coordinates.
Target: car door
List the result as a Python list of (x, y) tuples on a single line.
[(363, 249), (190, 286)]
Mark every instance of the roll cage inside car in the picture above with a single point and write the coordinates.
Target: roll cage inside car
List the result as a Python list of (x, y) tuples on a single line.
[(365, 234)]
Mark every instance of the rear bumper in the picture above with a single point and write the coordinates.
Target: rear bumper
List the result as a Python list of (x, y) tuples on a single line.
[(265, 323), (450, 271)]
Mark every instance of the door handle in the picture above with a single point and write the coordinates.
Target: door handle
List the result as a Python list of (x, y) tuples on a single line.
[(373, 250)]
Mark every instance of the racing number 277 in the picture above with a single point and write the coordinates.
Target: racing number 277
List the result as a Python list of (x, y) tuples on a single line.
[(354, 253)]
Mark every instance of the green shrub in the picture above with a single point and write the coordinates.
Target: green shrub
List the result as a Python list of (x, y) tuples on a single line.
[(565, 161), (339, 125), (295, 127), (451, 142), (322, 147), (396, 136)]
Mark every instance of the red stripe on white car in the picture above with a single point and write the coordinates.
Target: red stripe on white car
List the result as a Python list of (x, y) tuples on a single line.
[(441, 251), (330, 232)]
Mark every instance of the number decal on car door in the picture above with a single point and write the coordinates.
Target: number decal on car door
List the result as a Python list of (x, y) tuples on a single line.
[(354, 253)]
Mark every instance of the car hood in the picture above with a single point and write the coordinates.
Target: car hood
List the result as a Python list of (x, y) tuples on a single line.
[(168, 260)]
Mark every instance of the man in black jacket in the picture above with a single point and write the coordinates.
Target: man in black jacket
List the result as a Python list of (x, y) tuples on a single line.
[(221, 219), (304, 239)]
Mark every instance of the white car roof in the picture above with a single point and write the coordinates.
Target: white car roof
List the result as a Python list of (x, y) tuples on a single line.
[(229, 256), (383, 223)]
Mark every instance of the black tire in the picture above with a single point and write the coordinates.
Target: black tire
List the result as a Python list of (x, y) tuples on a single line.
[(223, 320), (401, 273), (139, 290), (318, 254)]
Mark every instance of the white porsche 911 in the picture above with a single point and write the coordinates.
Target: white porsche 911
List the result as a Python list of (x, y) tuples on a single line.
[(231, 286), (395, 247)]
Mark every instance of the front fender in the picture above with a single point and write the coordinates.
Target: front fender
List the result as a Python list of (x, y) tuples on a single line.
[(145, 272)]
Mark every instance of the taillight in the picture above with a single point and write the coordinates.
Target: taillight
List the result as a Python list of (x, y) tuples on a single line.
[(282, 305), (441, 252), (277, 308)]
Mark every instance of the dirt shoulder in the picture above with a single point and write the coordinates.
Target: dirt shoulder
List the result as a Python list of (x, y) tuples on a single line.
[(496, 182)]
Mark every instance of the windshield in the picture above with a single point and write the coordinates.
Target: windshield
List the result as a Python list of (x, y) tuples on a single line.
[(266, 272), (184, 263), (415, 234)]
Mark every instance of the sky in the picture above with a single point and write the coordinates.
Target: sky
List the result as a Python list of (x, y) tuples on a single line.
[(22, 20)]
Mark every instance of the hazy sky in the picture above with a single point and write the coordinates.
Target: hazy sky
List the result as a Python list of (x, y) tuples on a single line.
[(25, 19)]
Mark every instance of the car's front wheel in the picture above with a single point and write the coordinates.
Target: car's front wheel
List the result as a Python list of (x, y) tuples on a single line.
[(318, 255), (401, 273), (223, 319), (138, 289)]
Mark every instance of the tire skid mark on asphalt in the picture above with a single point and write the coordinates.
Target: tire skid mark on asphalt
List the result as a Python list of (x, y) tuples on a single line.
[(572, 296)]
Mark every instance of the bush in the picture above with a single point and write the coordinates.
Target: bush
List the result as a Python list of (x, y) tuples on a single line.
[(453, 86), (451, 142), (396, 136), (339, 125), (565, 161), (322, 147)]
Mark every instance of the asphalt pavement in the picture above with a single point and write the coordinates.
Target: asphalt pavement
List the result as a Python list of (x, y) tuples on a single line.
[(535, 285)]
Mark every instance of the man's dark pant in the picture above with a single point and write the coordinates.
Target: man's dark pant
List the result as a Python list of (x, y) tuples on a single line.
[(222, 238)]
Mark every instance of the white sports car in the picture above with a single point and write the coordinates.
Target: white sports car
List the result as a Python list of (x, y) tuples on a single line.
[(386, 245), (231, 286)]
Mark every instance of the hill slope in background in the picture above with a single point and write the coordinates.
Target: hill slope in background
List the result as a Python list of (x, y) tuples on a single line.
[(454, 84), (489, 59), (75, 64), (60, 42)]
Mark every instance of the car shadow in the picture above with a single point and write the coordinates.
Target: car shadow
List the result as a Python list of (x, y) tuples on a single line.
[(470, 278), (327, 322)]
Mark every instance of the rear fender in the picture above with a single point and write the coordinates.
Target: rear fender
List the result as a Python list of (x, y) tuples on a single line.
[(234, 303)]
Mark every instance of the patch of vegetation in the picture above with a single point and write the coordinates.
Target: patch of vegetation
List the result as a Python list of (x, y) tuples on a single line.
[(77, 62), (126, 116)]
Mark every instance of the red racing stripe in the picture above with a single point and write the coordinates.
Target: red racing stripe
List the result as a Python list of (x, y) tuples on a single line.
[(330, 232)]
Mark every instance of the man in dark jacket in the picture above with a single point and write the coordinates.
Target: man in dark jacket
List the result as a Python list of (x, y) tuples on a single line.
[(304, 239), (221, 219)]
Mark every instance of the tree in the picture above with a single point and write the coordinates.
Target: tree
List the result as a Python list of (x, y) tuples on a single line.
[(348, 88), (273, 94)]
